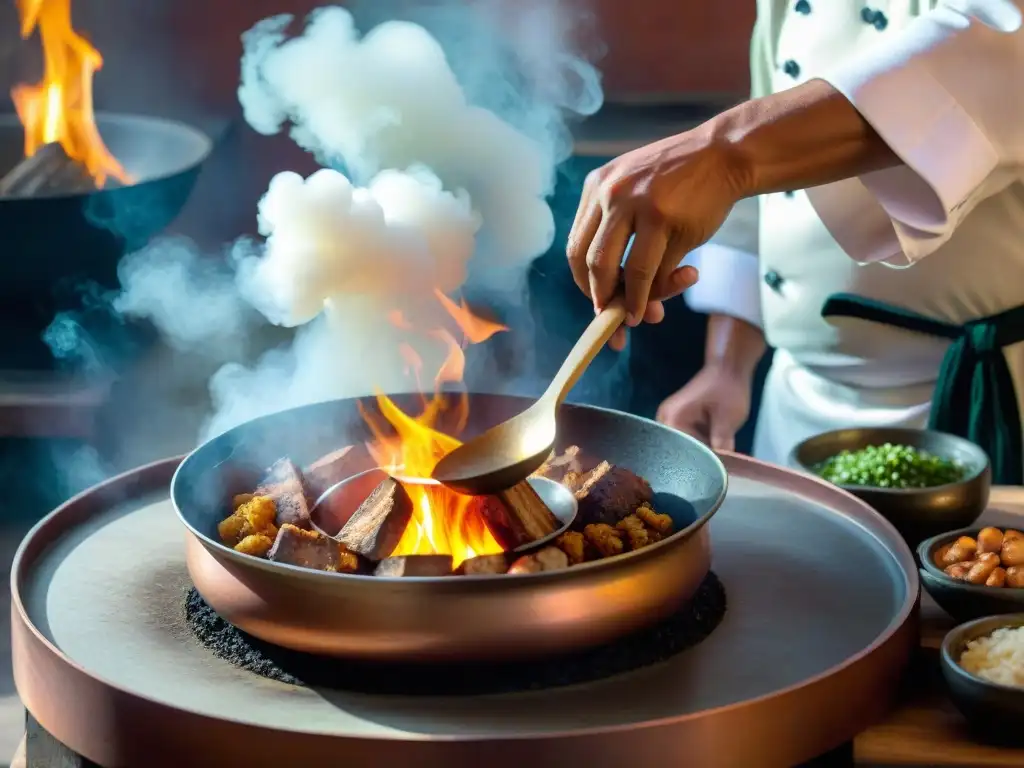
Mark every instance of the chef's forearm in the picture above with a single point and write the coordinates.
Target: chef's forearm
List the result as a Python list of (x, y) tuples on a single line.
[(733, 344), (803, 137)]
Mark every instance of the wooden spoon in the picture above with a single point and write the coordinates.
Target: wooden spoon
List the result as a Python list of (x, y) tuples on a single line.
[(510, 452)]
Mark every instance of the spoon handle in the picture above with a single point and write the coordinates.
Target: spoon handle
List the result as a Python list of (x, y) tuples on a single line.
[(585, 350)]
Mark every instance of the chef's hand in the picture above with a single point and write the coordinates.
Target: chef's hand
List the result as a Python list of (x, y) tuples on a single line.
[(654, 312), (711, 407), (670, 197)]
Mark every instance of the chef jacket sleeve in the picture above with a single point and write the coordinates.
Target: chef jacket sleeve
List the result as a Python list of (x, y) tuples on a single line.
[(947, 95), (730, 275)]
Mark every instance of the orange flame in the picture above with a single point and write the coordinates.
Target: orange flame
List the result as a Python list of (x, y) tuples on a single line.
[(443, 522), (475, 329), (59, 107)]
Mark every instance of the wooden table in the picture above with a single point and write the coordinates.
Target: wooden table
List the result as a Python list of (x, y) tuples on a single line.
[(925, 729)]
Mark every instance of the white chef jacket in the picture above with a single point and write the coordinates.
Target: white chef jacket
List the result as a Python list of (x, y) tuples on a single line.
[(943, 84)]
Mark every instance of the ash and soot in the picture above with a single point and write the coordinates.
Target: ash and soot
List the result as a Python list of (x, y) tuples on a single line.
[(423, 193), (683, 630)]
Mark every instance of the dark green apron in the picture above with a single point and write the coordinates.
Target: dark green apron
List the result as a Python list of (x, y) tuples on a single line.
[(974, 394)]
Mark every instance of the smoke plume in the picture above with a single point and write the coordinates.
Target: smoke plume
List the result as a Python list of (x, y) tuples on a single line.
[(431, 177)]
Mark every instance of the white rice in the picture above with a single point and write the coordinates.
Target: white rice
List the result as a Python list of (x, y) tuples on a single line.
[(998, 658)]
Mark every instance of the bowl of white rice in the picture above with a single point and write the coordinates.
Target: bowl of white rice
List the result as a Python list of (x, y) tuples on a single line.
[(983, 665)]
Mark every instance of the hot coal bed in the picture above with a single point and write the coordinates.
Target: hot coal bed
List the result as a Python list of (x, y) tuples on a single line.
[(292, 517)]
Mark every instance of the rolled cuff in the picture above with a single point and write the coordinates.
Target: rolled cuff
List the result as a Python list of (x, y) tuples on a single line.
[(729, 283), (947, 157)]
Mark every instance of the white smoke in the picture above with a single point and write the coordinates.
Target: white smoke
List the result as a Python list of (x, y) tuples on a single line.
[(389, 100), (422, 188), (154, 282), (326, 239), (434, 182)]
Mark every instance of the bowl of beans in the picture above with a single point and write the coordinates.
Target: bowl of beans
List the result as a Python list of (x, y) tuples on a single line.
[(974, 572), (923, 482)]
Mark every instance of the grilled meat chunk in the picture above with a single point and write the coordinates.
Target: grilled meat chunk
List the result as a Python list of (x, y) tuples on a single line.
[(283, 483), (609, 493), (311, 549)]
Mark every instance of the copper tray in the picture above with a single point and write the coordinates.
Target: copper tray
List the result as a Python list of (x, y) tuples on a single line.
[(820, 624)]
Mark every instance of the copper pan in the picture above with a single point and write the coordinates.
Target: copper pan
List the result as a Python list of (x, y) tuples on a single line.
[(483, 618)]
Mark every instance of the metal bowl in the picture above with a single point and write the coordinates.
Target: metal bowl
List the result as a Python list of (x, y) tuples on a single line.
[(959, 599), (79, 237), (917, 513), (465, 618), (995, 711)]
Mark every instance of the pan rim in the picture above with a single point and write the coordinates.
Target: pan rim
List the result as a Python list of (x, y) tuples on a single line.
[(607, 564)]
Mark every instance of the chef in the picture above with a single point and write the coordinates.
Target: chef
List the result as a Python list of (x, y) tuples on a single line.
[(873, 207)]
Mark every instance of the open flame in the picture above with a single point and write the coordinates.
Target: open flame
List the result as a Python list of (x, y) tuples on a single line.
[(443, 522), (59, 107)]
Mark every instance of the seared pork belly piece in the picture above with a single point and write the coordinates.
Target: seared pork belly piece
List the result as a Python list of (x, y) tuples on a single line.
[(283, 483), (516, 516), (558, 465), (547, 559), (415, 565), (311, 549), (329, 470), (483, 565), (375, 529)]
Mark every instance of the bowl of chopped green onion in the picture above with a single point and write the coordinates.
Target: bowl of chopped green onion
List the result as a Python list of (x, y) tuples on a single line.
[(923, 482)]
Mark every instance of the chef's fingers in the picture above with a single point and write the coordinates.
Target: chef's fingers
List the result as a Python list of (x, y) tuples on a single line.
[(655, 312), (605, 255), (723, 437), (688, 418), (669, 281), (682, 279), (588, 220), (585, 204), (619, 339), (641, 267), (679, 280)]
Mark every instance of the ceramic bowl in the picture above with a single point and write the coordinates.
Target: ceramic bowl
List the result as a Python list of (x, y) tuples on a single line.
[(994, 711), (959, 599), (917, 513)]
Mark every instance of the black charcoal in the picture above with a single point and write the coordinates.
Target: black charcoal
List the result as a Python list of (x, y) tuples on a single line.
[(659, 643)]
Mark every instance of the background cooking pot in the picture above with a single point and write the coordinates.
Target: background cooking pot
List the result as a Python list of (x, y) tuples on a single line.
[(71, 238)]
